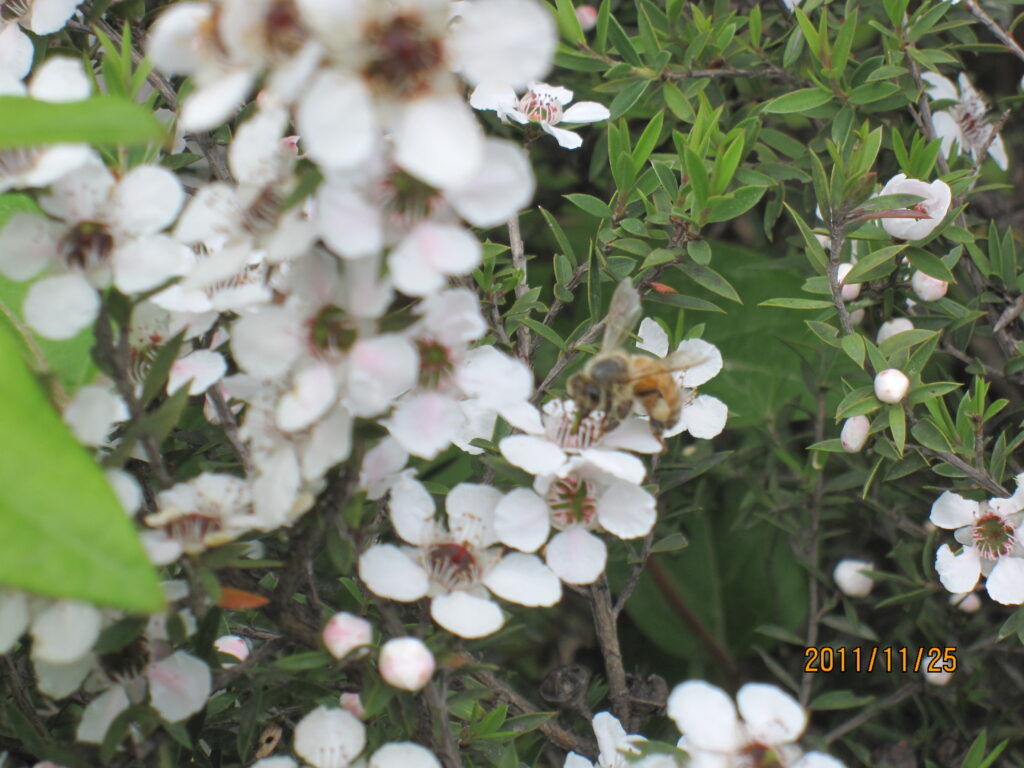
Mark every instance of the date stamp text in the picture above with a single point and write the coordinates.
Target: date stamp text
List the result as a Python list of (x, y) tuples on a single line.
[(892, 659)]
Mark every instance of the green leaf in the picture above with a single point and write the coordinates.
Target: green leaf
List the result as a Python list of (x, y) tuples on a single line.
[(711, 280), (853, 346), (840, 699), (798, 101), (875, 265), (797, 303), (627, 97), (698, 176), (546, 331), (590, 204), (560, 237), (931, 264), (898, 426), (724, 208), (63, 531), (106, 120), (568, 24)]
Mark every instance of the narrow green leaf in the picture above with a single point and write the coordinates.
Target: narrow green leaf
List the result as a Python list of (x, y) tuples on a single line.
[(590, 204), (797, 101), (560, 237), (708, 278), (898, 426), (546, 331), (875, 264), (797, 303), (853, 346), (931, 264), (568, 24), (106, 120)]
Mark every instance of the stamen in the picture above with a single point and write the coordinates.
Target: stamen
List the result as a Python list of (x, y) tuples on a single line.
[(453, 565), (993, 536)]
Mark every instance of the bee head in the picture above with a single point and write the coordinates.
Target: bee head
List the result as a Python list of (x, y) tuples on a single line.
[(585, 391)]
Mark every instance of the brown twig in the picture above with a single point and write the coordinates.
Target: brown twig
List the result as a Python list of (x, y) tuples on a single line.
[(448, 748), (515, 242), (995, 28), (637, 572), (608, 639), (813, 612), (230, 424), (1011, 313)]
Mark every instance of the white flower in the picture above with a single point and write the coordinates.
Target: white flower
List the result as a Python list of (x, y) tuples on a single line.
[(855, 433), (890, 328), (988, 533), (93, 412), (615, 746), (43, 17), (403, 755), (849, 576), (406, 663), (891, 385), (455, 564), (233, 645), (64, 631), (926, 287), (963, 122), (344, 632), (543, 104), (850, 291), (937, 199), (329, 738)]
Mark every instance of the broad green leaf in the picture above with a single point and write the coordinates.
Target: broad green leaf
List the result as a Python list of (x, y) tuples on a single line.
[(104, 120), (63, 530), (711, 280), (590, 204), (931, 264), (546, 331), (798, 101)]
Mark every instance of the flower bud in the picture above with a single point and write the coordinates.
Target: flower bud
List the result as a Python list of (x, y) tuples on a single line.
[(937, 678), (857, 316), (937, 198), (345, 632), (851, 290), (890, 328), (855, 433), (586, 15), (928, 288), (406, 663), (968, 602), (849, 577), (891, 385), (233, 645), (353, 704)]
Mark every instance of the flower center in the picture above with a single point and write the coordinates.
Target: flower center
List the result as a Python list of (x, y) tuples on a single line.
[(993, 536), (194, 531), (86, 245), (572, 502), (453, 565), (759, 756), (283, 27), (568, 430), (329, 331), (14, 162), (126, 663), (261, 214), (541, 108), (405, 54), (406, 199), (435, 363)]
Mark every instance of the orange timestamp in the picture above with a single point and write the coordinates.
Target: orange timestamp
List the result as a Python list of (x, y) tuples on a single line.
[(893, 659)]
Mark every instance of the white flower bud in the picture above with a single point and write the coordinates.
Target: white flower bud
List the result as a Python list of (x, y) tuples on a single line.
[(857, 316), (937, 199), (968, 602), (852, 290), (891, 327), (406, 663), (937, 678), (891, 385), (233, 645), (849, 577), (345, 632), (855, 433), (353, 704), (928, 288), (587, 17)]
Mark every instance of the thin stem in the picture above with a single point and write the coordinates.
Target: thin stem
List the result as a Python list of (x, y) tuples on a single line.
[(448, 749), (857, 721), (995, 28), (813, 610), (230, 424), (608, 638), (515, 242), (638, 569)]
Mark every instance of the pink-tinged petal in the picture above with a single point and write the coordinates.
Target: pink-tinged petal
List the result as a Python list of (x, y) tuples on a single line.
[(958, 573), (344, 632), (438, 140), (336, 121), (1005, 584), (329, 738), (586, 112), (100, 713), (576, 555), (465, 615), (349, 225), (388, 572), (504, 41), (494, 377), (146, 200), (329, 443), (174, 41), (406, 663), (565, 138), (59, 681), (266, 343), (27, 244), (626, 510), (633, 435), (13, 618), (502, 186), (140, 265), (233, 645), (771, 715), (200, 370), (951, 511), (178, 686), (49, 16), (524, 579), (380, 369), (60, 307), (92, 413), (522, 520), (453, 316), (706, 716), (255, 157), (312, 393), (621, 465), (380, 466), (444, 248), (412, 510), (425, 424), (403, 755), (15, 51), (536, 455), (60, 79), (214, 102), (704, 418), (470, 513), (64, 632)]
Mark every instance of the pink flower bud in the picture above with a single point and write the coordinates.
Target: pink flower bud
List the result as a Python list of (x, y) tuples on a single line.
[(890, 328), (855, 433), (233, 645), (851, 580), (937, 678), (852, 290), (968, 602), (406, 663), (587, 17), (857, 316), (290, 145), (927, 287), (891, 385), (345, 632), (353, 704)]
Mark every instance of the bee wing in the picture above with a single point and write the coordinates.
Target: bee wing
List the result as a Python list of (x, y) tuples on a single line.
[(686, 358), (622, 315)]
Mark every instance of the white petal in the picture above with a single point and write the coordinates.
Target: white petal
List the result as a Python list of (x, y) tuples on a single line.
[(453, 316), (771, 715), (612, 739), (349, 225), (524, 579), (174, 41), (958, 573), (818, 760), (498, 97), (1006, 582), (60, 79), (586, 112), (521, 415), (441, 249), (13, 618), (65, 632), (576, 555), (504, 41), (536, 455), (312, 393), (704, 418), (215, 101), (92, 413), (653, 337), (329, 738), (49, 16), (470, 513), (336, 121), (60, 307), (200, 370), (140, 265), (626, 510), (572, 760), (27, 244), (412, 510), (616, 463), (211, 214), (403, 755), (706, 716), (266, 343), (15, 51), (438, 140), (565, 138), (388, 572), (494, 377), (380, 369), (329, 443), (465, 615), (59, 681), (633, 435), (938, 87), (951, 510), (275, 488), (146, 200), (997, 151), (502, 186), (178, 686), (522, 520), (380, 465), (702, 360), (100, 713), (255, 155), (425, 424)]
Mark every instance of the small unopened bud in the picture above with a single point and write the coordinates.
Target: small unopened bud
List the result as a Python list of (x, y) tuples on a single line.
[(406, 663), (855, 433), (353, 704), (850, 577), (891, 385), (233, 645), (928, 288), (968, 602), (857, 316), (345, 632), (852, 290), (937, 678), (891, 327), (586, 15)]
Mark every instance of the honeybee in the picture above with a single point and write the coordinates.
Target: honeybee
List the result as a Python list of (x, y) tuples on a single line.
[(614, 380)]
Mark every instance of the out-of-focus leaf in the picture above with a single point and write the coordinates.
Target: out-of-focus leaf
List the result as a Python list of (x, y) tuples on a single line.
[(106, 120)]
